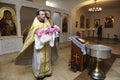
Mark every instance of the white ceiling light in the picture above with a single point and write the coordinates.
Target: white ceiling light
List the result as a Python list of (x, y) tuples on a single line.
[(95, 8), (49, 3)]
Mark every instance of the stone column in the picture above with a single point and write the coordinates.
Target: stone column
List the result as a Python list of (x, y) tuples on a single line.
[(51, 15), (83, 33), (17, 10), (93, 33), (69, 28), (61, 34), (61, 20)]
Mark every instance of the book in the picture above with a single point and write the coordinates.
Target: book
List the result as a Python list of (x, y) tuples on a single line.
[(81, 40)]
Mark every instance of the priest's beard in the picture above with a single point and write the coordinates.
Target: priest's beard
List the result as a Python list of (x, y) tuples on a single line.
[(42, 21)]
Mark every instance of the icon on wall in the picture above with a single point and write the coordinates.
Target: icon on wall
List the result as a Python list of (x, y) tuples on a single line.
[(82, 20), (76, 24), (7, 22), (87, 23), (96, 23), (109, 20), (64, 24)]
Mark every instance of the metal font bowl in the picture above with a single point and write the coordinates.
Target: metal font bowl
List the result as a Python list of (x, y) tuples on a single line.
[(99, 51)]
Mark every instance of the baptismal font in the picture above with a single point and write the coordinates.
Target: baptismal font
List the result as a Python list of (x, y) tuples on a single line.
[(98, 53)]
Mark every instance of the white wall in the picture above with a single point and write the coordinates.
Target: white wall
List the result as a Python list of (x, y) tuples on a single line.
[(113, 11), (10, 44), (24, 19), (79, 13)]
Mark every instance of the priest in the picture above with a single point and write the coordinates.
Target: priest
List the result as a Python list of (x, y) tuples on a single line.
[(41, 55)]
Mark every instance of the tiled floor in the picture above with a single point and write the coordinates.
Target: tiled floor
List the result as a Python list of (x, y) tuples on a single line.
[(114, 71), (10, 71), (60, 69)]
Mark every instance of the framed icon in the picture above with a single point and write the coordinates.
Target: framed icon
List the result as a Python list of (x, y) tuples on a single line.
[(96, 22)]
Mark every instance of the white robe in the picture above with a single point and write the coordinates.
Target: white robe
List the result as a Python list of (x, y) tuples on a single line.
[(39, 44)]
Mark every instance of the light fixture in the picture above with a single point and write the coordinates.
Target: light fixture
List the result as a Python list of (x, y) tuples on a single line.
[(95, 8), (48, 3)]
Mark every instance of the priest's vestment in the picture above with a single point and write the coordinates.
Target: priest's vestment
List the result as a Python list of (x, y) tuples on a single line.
[(41, 62)]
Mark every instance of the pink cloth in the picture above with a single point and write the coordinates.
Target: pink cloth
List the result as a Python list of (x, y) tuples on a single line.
[(39, 32), (57, 28), (48, 30)]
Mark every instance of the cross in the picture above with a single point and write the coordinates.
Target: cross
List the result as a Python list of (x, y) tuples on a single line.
[(76, 56)]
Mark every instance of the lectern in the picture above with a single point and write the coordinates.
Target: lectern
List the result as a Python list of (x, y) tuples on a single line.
[(78, 52)]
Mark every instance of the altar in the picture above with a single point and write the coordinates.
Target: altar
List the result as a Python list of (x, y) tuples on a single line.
[(78, 52)]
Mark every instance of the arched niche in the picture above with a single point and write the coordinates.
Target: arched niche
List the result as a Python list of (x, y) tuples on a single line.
[(82, 21), (64, 23), (27, 16), (56, 18)]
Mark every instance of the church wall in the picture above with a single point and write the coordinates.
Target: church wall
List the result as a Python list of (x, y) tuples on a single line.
[(9, 43), (40, 1), (25, 13), (78, 28), (73, 28), (6, 5), (113, 12), (109, 12)]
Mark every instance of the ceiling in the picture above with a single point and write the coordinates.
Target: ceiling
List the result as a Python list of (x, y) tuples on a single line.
[(105, 4), (69, 4)]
